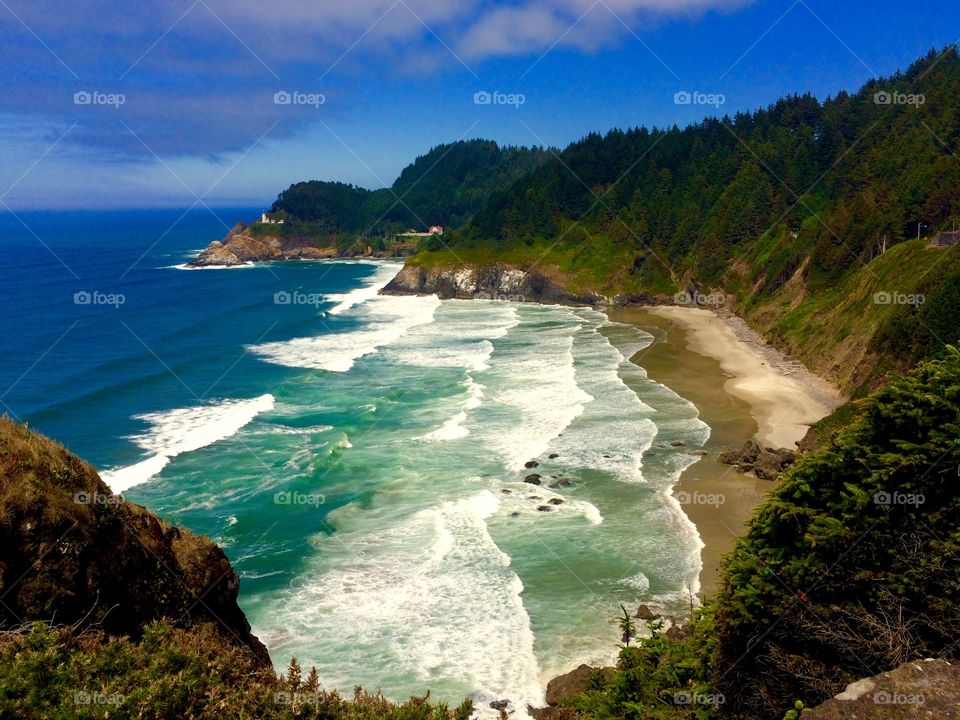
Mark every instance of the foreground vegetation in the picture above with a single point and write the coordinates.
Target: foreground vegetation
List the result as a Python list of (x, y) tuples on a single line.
[(849, 568), (49, 673)]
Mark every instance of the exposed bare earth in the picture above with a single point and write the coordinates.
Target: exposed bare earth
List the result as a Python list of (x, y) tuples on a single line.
[(784, 397)]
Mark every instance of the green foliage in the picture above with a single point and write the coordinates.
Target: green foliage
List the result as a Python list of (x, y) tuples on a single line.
[(52, 674), (852, 564), (784, 207), (628, 629), (444, 187), (663, 677)]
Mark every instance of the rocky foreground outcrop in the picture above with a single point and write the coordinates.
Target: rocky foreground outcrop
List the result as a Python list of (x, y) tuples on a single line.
[(491, 282), (919, 689), (73, 553)]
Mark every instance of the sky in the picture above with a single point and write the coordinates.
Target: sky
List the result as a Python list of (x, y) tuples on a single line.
[(175, 103)]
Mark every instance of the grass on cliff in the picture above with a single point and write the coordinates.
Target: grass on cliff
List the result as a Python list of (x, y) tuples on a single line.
[(885, 316), (51, 673)]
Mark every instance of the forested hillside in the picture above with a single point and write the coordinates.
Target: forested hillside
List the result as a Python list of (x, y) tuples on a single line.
[(444, 187), (793, 209)]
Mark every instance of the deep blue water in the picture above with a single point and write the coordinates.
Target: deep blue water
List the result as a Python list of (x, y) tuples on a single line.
[(80, 372)]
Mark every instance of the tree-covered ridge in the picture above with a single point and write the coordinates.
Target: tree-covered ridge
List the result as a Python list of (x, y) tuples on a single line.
[(444, 187), (780, 207), (844, 175)]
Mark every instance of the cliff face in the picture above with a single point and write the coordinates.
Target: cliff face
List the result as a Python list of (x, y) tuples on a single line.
[(241, 246), (75, 554), (485, 282)]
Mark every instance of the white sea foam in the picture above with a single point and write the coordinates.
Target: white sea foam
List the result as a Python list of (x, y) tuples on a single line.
[(187, 266), (462, 336), (533, 392), (384, 273), (525, 500), (183, 430), (430, 600), (638, 582), (274, 429), (454, 428), (388, 319), (615, 431)]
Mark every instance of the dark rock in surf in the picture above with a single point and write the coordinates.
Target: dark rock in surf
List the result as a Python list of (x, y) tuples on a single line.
[(645, 613)]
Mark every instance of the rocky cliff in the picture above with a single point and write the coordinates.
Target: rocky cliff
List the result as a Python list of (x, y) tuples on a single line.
[(73, 553), (489, 282), (244, 244), (240, 246)]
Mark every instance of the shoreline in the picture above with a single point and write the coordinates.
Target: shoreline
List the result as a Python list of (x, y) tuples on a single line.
[(741, 392), (785, 398)]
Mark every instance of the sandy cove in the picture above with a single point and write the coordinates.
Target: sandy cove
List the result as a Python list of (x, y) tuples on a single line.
[(742, 388), (784, 397)]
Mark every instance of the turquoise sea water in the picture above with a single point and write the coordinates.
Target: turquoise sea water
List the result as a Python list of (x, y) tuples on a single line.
[(361, 458)]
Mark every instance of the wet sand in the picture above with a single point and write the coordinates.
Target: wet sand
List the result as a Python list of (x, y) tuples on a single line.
[(693, 360)]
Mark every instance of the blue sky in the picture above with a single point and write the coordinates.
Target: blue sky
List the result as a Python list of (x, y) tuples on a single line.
[(174, 102)]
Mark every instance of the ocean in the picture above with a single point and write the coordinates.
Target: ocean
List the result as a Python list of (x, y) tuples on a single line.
[(361, 458)]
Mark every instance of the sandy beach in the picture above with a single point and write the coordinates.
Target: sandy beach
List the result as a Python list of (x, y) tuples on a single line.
[(743, 388), (784, 397)]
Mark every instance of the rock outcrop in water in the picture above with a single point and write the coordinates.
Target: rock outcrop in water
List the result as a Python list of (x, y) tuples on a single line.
[(489, 282), (75, 554), (244, 245), (240, 246)]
